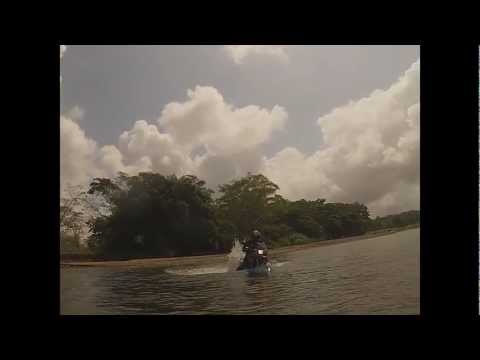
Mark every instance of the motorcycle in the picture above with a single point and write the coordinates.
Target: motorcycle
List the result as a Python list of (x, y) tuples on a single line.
[(255, 260)]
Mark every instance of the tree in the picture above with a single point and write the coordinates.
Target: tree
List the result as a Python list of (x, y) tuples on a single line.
[(72, 218), (69, 201), (406, 218), (246, 202), (153, 215), (303, 216)]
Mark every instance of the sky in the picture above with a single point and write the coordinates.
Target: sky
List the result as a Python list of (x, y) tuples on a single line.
[(333, 122)]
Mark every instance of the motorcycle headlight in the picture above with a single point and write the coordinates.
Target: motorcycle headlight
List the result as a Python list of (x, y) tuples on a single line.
[(260, 252)]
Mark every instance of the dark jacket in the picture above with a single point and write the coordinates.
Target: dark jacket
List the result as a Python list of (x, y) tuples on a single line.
[(255, 243), (250, 258)]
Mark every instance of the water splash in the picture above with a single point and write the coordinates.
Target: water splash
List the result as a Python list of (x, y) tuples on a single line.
[(198, 271), (235, 256), (233, 260)]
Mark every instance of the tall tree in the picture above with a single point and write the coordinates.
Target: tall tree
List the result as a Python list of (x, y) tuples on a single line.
[(153, 215), (72, 217), (247, 202)]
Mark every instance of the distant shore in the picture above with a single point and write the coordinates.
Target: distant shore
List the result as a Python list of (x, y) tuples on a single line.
[(196, 260)]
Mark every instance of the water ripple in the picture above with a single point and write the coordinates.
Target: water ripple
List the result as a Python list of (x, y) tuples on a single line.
[(374, 276)]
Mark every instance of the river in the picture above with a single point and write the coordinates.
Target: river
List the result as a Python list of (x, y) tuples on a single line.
[(372, 276)]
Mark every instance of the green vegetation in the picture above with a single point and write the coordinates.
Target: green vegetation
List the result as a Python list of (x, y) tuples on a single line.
[(72, 221), (151, 215), (403, 219)]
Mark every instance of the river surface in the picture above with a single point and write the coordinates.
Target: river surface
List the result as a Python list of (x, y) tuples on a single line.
[(373, 276)]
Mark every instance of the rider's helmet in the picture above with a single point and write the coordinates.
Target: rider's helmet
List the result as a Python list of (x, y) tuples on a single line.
[(256, 234)]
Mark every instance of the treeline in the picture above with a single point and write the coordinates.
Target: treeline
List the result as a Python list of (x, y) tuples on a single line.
[(394, 221), (150, 215)]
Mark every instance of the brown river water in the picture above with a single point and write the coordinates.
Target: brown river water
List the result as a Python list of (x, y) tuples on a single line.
[(372, 276)]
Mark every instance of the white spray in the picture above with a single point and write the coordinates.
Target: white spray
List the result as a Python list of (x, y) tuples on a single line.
[(235, 256), (233, 260)]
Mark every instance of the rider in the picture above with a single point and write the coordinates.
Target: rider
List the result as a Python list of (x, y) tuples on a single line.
[(254, 243)]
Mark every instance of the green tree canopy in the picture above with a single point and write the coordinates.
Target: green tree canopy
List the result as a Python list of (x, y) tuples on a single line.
[(155, 215), (152, 214), (247, 202)]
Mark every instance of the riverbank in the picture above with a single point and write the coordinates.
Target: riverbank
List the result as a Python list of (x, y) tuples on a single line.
[(215, 259), (369, 235)]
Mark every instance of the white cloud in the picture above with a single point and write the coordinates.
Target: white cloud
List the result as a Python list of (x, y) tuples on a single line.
[(77, 154), (81, 159), (219, 169), (370, 152), (145, 145), (239, 53), (205, 119), (229, 137), (404, 196), (299, 176)]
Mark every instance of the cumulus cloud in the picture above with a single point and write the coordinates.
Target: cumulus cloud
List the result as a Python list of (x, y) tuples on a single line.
[(77, 153), (299, 176), (205, 119), (227, 136), (219, 169), (239, 53), (370, 152), (145, 145), (81, 159)]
